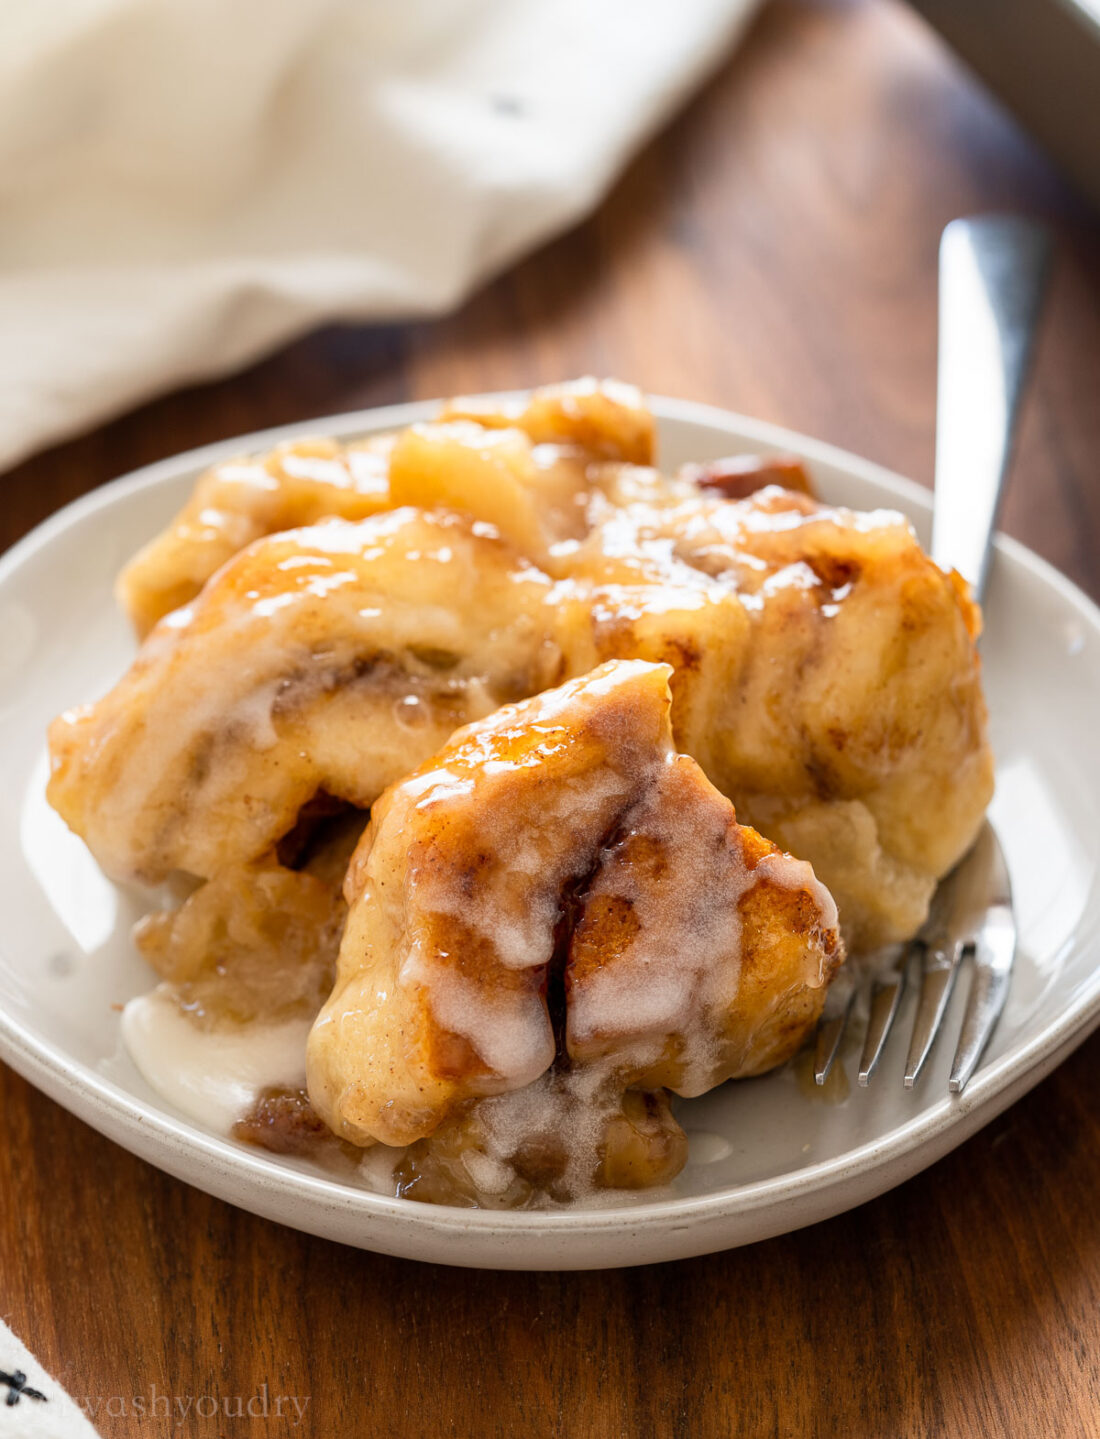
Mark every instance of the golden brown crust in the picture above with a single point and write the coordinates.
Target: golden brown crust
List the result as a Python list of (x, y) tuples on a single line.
[(241, 500), (330, 659)]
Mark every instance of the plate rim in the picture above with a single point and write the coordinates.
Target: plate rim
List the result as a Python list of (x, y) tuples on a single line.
[(170, 1142)]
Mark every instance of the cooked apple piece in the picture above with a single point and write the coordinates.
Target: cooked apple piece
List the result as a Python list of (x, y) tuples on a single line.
[(304, 481), (259, 941), (606, 418), (533, 497)]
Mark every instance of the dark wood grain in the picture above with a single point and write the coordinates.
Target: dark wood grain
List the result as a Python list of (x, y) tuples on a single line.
[(773, 251)]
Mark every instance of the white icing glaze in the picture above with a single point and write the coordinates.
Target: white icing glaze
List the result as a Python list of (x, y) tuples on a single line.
[(794, 873), (572, 1108), (509, 1031), (707, 1148), (522, 939), (685, 957), (213, 1075)]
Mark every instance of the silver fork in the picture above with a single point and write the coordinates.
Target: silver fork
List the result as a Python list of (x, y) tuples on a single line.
[(992, 278)]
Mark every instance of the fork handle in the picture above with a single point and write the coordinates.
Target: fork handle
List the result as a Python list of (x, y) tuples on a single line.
[(993, 272)]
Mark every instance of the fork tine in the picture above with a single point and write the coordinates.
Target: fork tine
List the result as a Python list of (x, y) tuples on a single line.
[(830, 1033), (885, 999), (971, 912), (994, 953), (939, 968), (988, 991)]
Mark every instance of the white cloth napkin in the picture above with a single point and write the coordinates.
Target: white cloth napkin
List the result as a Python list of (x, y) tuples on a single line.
[(53, 1416), (186, 183)]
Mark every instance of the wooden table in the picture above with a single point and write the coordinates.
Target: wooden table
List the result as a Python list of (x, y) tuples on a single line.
[(774, 251)]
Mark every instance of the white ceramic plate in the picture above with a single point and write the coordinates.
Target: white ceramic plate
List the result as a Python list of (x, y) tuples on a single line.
[(767, 1155)]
